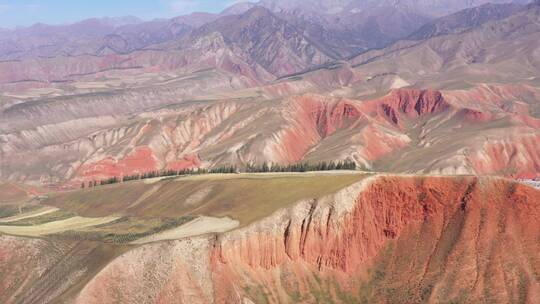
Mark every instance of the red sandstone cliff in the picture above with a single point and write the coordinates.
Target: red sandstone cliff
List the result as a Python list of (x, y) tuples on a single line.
[(387, 239)]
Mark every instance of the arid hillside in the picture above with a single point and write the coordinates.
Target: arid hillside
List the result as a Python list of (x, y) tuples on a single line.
[(490, 129), (280, 151), (355, 238), (470, 105)]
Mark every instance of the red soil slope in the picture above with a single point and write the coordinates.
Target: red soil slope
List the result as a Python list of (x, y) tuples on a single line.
[(384, 240), (140, 161), (483, 130), (313, 118), (318, 128), (408, 103)]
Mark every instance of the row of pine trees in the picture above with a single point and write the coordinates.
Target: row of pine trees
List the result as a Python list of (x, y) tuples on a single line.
[(250, 168), (302, 167)]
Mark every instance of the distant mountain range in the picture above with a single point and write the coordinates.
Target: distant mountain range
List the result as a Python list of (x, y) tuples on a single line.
[(428, 7), (436, 102), (341, 28), (453, 94)]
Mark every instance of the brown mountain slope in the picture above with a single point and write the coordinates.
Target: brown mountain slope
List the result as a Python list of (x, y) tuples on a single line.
[(432, 7), (264, 38), (98, 36), (465, 20), (501, 51), (349, 33), (256, 42)]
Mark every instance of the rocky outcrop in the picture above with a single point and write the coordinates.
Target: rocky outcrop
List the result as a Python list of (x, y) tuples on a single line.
[(408, 103), (386, 239), (310, 119)]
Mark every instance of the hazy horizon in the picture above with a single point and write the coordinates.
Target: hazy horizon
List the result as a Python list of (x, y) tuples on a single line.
[(25, 13)]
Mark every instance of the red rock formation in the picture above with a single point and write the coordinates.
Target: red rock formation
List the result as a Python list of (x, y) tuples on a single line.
[(311, 118), (326, 115), (385, 240), (410, 103), (188, 162), (378, 142), (447, 128), (436, 221), (140, 161), (517, 156), (473, 116)]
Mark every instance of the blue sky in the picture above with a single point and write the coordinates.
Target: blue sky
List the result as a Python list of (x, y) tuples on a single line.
[(27, 12)]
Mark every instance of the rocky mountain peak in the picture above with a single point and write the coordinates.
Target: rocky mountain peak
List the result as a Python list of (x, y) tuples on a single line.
[(238, 8)]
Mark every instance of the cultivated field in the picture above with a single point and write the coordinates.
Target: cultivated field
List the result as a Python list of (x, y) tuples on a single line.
[(139, 212), (30, 214), (243, 197), (201, 225), (71, 223)]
